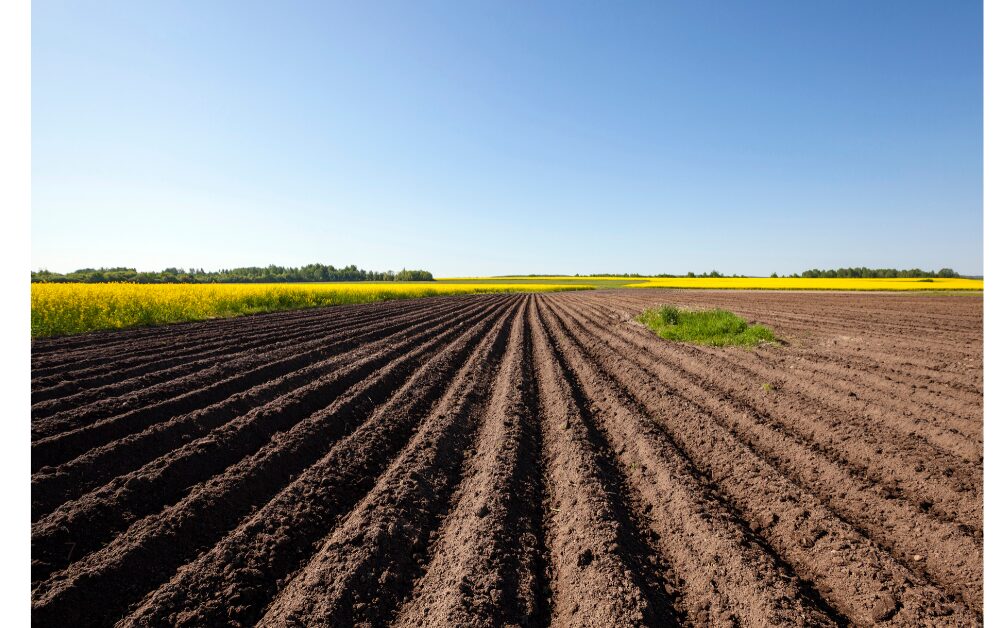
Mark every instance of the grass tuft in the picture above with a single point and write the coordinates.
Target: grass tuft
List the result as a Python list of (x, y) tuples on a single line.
[(717, 328)]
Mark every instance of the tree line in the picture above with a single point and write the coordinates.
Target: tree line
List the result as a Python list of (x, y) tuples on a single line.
[(861, 272), (879, 273), (250, 274)]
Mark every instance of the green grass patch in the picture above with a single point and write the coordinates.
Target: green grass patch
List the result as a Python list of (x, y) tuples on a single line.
[(717, 328)]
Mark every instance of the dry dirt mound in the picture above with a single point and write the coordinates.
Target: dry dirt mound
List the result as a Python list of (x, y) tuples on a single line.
[(515, 460)]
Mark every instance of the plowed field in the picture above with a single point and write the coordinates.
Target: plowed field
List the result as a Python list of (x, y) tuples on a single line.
[(515, 459)]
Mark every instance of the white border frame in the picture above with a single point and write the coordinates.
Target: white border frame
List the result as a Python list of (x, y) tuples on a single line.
[(15, 211)]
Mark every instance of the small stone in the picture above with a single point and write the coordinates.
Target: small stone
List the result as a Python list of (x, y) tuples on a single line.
[(918, 557)]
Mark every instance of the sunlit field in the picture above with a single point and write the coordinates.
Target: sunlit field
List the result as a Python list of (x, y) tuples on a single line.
[(72, 308), (745, 283)]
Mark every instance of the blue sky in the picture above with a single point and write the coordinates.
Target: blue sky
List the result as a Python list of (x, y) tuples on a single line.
[(508, 137)]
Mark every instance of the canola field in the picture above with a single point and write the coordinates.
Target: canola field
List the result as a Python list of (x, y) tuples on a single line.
[(804, 283), (747, 283), (73, 308)]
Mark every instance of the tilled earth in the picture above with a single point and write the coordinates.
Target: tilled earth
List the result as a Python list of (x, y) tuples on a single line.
[(515, 460)]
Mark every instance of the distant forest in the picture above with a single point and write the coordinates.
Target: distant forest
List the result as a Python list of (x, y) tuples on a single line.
[(857, 273), (251, 274), (879, 273)]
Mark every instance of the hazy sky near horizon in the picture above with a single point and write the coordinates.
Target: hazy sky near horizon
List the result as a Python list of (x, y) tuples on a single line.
[(483, 138)]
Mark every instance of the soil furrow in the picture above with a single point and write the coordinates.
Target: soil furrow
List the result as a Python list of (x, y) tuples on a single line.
[(368, 564), (211, 385), (726, 575), (98, 370), (312, 416), (817, 319), (511, 460), (946, 555), (483, 568), (64, 446), (272, 544), (923, 474), (148, 342), (149, 552), (907, 421), (54, 485), (797, 524), (867, 374), (605, 570), (79, 392)]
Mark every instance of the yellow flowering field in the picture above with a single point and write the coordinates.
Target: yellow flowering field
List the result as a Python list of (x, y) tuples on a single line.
[(750, 283), (71, 308), (807, 283)]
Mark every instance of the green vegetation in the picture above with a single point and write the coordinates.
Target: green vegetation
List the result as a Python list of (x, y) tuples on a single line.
[(718, 328), (250, 274)]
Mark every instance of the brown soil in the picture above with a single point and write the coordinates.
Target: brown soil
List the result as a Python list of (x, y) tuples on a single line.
[(515, 460)]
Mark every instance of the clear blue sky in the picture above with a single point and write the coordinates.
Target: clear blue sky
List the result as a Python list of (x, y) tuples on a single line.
[(473, 138)]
